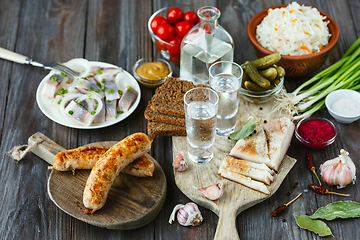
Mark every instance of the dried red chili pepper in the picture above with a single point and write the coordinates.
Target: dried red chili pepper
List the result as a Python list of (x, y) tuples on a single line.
[(322, 190), (310, 165), (283, 207)]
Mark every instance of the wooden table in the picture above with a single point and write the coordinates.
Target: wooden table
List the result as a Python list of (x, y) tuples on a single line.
[(116, 32)]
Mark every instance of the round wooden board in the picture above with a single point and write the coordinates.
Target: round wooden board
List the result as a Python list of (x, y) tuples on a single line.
[(132, 202)]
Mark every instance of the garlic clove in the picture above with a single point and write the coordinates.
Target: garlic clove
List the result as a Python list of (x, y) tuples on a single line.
[(188, 215), (180, 163), (213, 192), (339, 171)]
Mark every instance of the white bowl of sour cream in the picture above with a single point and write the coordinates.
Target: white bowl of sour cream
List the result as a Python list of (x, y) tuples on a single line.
[(344, 105)]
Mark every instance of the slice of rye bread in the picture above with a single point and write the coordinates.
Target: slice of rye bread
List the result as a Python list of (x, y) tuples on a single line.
[(169, 97), (158, 129), (153, 115)]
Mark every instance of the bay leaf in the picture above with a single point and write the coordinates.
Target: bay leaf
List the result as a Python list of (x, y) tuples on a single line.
[(340, 209), (245, 131), (316, 226)]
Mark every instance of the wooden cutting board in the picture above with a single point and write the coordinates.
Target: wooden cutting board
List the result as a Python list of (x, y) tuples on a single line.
[(236, 197), (132, 202)]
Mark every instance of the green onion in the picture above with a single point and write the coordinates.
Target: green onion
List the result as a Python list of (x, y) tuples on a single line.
[(103, 80), (91, 88), (309, 96), (120, 92), (71, 112), (93, 113), (99, 72), (97, 90), (111, 91), (54, 79), (95, 108), (98, 84), (89, 94), (120, 112), (78, 101), (128, 88), (63, 74), (108, 100), (103, 88), (59, 102)]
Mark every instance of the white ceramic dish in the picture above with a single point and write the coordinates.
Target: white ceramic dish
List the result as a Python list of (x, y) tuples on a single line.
[(337, 95), (54, 114)]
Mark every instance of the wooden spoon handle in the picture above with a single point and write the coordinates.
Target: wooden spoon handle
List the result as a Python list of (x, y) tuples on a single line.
[(226, 227)]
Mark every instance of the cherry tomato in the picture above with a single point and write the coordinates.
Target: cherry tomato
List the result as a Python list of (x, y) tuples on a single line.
[(182, 28), (156, 22), (191, 17), (174, 50), (175, 15), (165, 32)]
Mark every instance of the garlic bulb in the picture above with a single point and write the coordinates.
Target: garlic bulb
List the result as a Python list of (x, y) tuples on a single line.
[(188, 215), (180, 163), (213, 192), (339, 171)]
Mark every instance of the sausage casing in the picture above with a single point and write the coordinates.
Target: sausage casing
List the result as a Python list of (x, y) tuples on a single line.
[(86, 158), (105, 171), (78, 158)]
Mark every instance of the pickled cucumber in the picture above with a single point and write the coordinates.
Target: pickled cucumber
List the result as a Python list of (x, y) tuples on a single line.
[(266, 61), (269, 73), (280, 71), (255, 76), (251, 86), (245, 78)]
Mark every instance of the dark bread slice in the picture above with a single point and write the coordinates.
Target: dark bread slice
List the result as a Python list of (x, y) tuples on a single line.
[(169, 97), (153, 115), (158, 129)]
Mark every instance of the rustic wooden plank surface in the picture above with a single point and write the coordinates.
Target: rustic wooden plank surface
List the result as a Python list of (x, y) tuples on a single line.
[(116, 32)]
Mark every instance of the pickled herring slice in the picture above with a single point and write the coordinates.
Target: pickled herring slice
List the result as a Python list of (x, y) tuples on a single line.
[(79, 114), (53, 85), (127, 99)]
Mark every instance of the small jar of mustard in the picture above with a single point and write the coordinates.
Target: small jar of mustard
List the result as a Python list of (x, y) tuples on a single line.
[(152, 72)]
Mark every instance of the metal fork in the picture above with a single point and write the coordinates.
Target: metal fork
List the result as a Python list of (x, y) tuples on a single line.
[(15, 57)]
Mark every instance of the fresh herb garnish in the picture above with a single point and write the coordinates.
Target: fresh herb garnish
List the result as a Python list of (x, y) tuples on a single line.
[(245, 131)]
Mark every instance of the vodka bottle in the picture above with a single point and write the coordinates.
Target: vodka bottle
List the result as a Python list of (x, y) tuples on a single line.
[(205, 44)]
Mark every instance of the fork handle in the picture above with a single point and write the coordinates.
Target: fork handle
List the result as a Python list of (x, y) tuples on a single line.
[(12, 56)]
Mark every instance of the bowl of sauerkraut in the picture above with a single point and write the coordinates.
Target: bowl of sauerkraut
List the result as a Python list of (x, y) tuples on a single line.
[(303, 35)]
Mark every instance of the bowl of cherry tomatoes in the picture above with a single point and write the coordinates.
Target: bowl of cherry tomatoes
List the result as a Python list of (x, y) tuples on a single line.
[(168, 26)]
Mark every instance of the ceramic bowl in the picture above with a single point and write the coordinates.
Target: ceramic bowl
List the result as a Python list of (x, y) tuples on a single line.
[(260, 96), (147, 82), (295, 66), (342, 115), (168, 50), (308, 140)]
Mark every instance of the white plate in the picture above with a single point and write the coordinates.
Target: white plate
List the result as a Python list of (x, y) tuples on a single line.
[(54, 114)]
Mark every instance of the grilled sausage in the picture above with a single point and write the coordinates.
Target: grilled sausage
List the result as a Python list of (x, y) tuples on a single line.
[(104, 172), (86, 158), (78, 158)]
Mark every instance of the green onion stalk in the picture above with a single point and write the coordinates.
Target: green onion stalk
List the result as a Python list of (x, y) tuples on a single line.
[(309, 97)]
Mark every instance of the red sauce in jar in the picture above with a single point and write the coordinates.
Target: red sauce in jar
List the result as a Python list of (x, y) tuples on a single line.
[(316, 131)]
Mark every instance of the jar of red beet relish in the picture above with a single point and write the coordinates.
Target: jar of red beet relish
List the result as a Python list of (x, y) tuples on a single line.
[(315, 132)]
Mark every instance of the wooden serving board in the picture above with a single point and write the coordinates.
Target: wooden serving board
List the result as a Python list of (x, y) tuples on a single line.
[(132, 202), (236, 197)]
